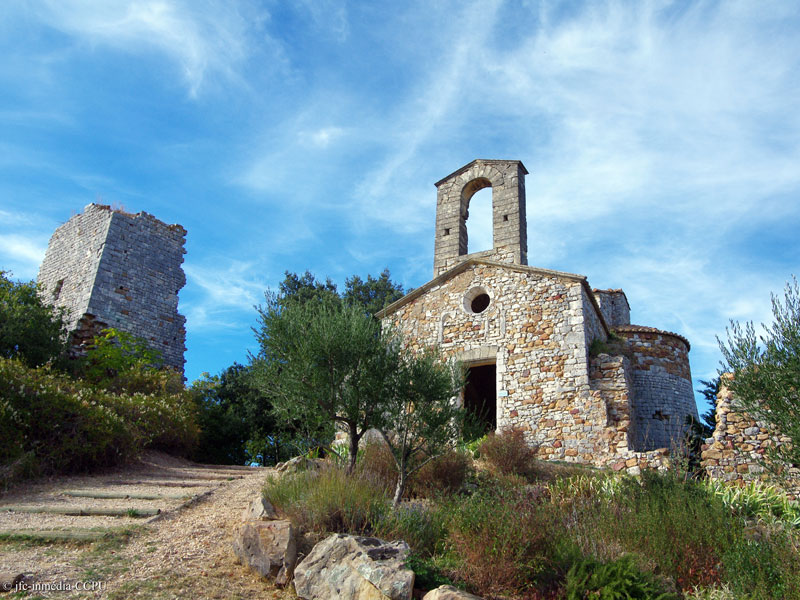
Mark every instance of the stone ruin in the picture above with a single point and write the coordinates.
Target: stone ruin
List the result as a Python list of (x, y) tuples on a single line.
[(737, 450), (110, 268), (545, 352)]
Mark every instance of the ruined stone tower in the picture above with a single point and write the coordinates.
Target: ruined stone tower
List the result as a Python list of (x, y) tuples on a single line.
[(109, 268)]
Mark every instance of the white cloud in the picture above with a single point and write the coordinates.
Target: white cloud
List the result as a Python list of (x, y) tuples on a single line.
[(216, 297), (22, 254), (323, 137), (202, 37)]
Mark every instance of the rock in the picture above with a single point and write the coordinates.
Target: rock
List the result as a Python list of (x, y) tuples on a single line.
[(260, 509), (9, 580), (355, 568), (269, 548), (448, 592), (298, 463)]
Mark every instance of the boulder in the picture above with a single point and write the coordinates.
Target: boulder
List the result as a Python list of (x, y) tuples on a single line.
[(448, 592), (299, 463), (355, 568), (261, 509), (269, 548), (10, 579)]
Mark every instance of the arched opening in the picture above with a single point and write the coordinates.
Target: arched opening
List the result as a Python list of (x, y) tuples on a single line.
[(480, 399), (477, 202)]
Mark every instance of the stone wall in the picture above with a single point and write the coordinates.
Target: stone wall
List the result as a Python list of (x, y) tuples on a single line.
[(119, 270), (736, 450), (509, 224), (662, 383), (72, 261), (614, 306), (611, 380), (534, 330)]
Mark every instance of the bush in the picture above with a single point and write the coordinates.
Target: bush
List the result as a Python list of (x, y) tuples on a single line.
[(442, 475), (657, 510), (756, 501), (375, 462), (328, 500), (501, 541), (424, 528), (29, 329), (508, 452), (67, 425), (764, 569), (620, 579)]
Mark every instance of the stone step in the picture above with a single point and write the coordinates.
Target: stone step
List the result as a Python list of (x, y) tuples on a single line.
[(84, 511), (102, 495)]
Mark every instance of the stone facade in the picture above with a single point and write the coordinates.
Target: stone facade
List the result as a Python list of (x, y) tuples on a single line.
[(538, 327), (737, 448), (109, 268)]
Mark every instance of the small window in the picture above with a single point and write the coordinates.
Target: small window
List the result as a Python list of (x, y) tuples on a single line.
[(477, 300), (57, 289)]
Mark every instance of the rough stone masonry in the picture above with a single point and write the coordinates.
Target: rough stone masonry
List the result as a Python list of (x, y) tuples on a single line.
[(546, 353), (110, 268)]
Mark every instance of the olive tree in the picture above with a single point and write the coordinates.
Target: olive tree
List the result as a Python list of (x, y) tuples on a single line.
[(765, 373), (324, 361), (420, 418)]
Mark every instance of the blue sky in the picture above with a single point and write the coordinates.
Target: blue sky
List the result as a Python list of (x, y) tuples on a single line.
[(662, 140)]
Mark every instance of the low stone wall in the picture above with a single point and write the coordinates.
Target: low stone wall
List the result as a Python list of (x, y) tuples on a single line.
[(737, 449)]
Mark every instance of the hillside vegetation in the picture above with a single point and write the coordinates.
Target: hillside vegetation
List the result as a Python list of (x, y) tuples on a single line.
[(528, 529)]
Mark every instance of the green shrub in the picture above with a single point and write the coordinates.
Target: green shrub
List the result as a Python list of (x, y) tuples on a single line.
[(568, 489), (472, 446), (620, 579), (677, 524), (508, 452), (116, 360), (756, 501), (764, 569), (423, 527), (68, 425), (328, 500), (30, 330), (427, 575)]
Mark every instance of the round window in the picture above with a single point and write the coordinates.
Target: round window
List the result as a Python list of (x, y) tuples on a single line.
[(480, 303), (477, 300)]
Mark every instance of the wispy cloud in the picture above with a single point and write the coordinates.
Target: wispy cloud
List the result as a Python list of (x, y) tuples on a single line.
[(22, 254), (201, 37), (216, 297)]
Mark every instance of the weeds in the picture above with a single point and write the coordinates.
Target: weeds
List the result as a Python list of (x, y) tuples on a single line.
[(508, 452), (329, 500)]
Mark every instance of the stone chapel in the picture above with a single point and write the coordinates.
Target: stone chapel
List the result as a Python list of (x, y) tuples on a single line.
[(544, 351)]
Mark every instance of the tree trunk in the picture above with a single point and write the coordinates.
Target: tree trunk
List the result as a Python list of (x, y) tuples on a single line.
[(353, 449), (398, 491)]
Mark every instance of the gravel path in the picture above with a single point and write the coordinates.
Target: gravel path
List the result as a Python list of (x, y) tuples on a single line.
[(183, 553)]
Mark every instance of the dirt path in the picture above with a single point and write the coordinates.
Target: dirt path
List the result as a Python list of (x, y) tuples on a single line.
[(184, 552)]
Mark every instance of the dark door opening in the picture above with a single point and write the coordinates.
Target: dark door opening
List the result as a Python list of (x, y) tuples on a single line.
[(480, 398)]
